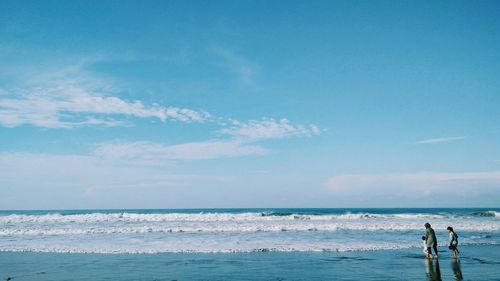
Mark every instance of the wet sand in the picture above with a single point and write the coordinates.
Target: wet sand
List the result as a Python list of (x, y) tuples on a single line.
[(475, 263)]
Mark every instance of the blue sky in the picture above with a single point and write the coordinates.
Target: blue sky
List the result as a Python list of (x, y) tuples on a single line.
[(192, 104)]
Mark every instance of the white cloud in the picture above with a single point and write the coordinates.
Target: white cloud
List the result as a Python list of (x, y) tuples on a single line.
[(254, 130), (71, 98), (423, 182), (423, 189), (438, 140), (241, 135), (149, 152), (409, 179)]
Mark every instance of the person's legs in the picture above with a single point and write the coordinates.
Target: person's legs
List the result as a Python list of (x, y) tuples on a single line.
[(429, 252), (453, 251), (435, 249)]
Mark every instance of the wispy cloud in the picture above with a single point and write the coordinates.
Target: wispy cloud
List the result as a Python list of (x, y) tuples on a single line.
[(88, 181), (73, 170), (242, 137), (241, 142), (236, 63), (425, 182), (149, 152), (438, 140), (420, 179), (418, 189), (71, 98), (268, 128)]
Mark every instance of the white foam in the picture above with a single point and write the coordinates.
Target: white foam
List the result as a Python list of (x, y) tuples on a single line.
[(100, 223), (199, 217), (233, 232), (148, 250), (306, 226)]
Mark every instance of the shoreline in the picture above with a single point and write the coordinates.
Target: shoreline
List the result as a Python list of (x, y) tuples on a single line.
[(263, 250), (477, 262)]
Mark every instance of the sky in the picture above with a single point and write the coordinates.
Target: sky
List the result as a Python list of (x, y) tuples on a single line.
[(240, 104)]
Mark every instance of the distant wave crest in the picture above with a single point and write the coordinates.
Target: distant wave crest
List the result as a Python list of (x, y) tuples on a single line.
[(202, 217), (106, 223), (486, 214)]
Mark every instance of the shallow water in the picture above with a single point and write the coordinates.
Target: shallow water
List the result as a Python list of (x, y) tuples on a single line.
[(476, 263)]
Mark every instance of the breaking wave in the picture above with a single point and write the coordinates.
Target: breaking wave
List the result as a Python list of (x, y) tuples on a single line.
[(486, 214), (135, 232), (202, 217)]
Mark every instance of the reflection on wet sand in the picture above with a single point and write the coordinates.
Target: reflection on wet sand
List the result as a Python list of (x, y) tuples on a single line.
[(457, 271), (432, 269)]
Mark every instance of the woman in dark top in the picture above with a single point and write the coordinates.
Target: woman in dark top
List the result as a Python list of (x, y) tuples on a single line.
[(431, 240)]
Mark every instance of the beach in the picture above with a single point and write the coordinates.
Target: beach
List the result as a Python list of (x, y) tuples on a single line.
[(246, 244), (476, 263)]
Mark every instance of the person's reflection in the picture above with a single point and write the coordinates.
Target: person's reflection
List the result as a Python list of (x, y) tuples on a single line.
[(433, 272), (455, 265)]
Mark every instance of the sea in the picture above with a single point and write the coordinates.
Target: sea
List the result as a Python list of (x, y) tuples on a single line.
[(239, 230)]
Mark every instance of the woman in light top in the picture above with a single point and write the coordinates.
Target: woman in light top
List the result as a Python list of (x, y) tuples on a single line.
[(453, 242)]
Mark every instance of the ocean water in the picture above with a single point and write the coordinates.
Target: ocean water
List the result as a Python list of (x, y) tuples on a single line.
[(239, 230)]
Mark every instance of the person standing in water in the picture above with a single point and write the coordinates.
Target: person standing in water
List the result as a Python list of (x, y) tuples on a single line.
[(431, 240), (453, 242)]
